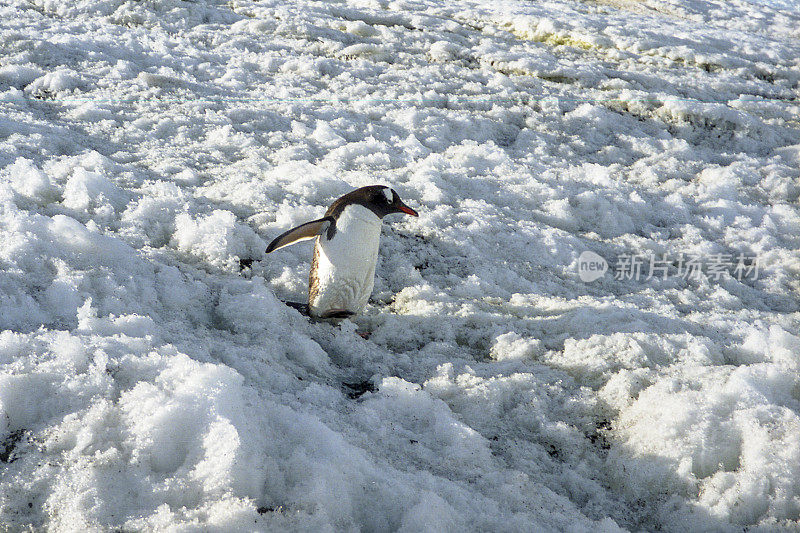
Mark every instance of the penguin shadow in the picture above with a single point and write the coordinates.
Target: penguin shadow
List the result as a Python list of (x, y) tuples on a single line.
[(474, 322), (475, 334), (467, 328)]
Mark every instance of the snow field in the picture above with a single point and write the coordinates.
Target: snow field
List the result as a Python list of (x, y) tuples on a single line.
[(152, 380)]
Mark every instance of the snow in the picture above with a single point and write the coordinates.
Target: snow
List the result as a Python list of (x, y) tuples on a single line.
[(151, 378)]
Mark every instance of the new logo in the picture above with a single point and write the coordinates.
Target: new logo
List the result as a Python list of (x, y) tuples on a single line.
[(591, 266)]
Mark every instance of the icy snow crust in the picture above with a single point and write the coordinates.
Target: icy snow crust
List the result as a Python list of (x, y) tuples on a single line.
[(150, 149)]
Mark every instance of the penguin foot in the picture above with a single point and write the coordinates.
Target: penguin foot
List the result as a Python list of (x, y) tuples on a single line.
[(337, 314), (303, 308)]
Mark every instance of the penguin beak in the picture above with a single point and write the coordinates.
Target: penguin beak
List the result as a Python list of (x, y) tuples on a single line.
[(403, 208)]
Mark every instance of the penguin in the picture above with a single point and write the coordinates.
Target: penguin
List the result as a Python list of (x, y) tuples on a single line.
[(343, 266)]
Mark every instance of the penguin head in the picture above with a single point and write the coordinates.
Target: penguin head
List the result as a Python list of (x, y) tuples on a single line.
[(385, 201)]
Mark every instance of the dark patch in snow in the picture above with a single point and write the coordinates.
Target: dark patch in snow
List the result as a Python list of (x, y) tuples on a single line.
[(358, 389), (8, 446)]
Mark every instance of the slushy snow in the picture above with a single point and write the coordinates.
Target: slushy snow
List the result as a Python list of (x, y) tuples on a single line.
[(151, 379)]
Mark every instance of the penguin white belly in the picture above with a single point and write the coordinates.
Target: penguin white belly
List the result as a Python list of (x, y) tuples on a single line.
[(343, 269)]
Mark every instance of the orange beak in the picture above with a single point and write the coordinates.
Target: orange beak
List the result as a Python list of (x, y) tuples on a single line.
[(407, 210)]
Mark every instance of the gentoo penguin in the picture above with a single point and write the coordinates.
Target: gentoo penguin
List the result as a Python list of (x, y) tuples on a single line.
[(343, 268)]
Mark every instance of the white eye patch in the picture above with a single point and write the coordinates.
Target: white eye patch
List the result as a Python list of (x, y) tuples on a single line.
[(389, 194)]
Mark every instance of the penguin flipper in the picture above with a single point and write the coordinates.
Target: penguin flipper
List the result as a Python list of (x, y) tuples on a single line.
[(303, 232)]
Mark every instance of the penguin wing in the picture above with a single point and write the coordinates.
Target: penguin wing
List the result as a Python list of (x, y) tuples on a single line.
[(303, 232)]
